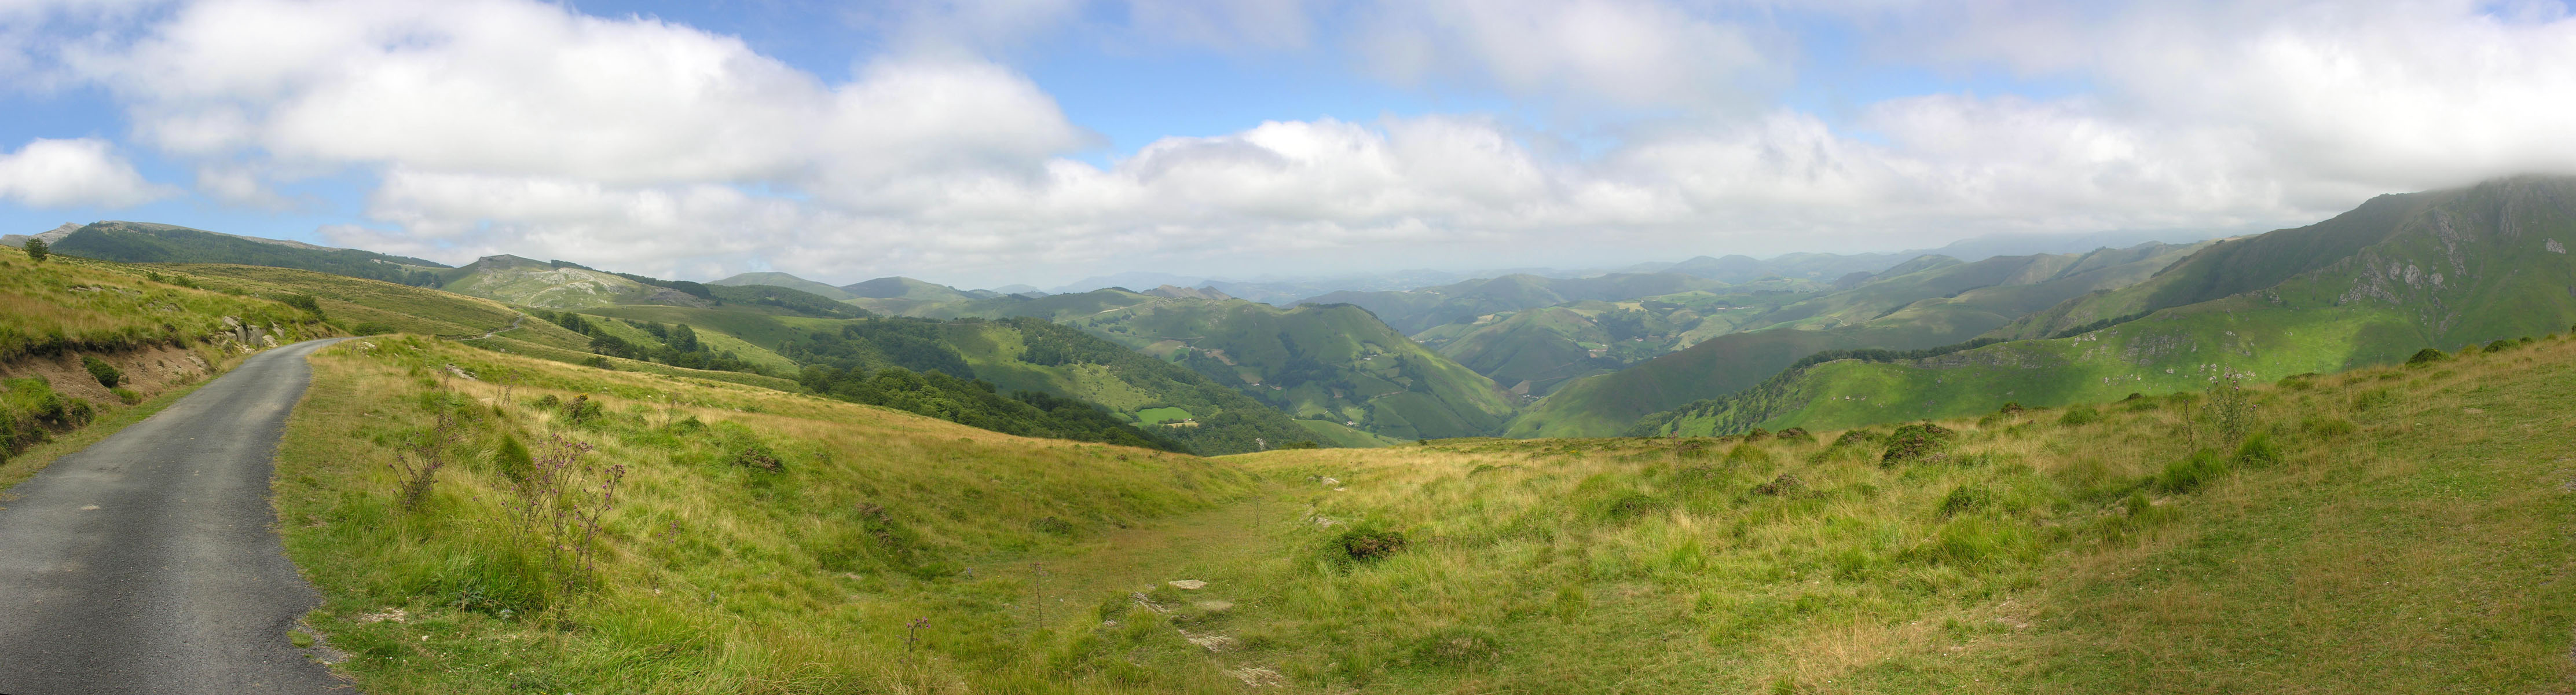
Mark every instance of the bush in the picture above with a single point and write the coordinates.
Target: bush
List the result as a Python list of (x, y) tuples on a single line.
[(2080, 415), (1915, 441), (106, 374), (2191, 473), (2010, 408), (1369, 544), (1852, 437), (2425, 356), (370, 328)]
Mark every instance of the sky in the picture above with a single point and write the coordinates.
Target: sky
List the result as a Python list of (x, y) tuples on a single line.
[(989, 143)]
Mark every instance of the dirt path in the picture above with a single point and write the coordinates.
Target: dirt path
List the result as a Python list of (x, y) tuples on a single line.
[(146, 563), (1195, 546)]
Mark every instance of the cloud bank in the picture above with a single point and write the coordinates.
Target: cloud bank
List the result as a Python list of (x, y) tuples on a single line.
[(514, 126)]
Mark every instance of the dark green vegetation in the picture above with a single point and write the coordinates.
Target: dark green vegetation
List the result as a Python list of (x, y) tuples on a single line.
[(786, 281), (1419, 310), (1926, 302), (2371, 287), (142, 242), (1336, 365)]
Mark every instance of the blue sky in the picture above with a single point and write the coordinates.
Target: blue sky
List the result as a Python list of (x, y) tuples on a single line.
[(1036, 141)]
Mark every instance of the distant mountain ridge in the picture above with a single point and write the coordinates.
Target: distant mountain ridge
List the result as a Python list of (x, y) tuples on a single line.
[(1925, 302), (2444, 269), (145, 242)]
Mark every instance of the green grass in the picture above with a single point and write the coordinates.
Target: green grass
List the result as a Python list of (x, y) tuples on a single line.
[(2385, 530), (712, 576), (1156, 416)]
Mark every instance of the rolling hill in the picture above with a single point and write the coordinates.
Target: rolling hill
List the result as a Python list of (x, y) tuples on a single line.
[(1334, 364), (2446, 269), (145, 242), (787, 281), (1415, 311), (1925, 302)]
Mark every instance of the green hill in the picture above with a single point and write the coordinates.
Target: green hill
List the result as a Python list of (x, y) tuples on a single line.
[(902, 296), (143, 242), (1533, 351), (534, 283), (1926, 302), (1335, 363), (2443, 269), (1415, 311), (787, 281)]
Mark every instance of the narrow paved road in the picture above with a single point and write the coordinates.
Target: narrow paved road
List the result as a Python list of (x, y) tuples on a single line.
[(147, 562)]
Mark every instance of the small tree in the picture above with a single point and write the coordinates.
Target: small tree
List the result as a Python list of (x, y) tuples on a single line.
[(37, 249)]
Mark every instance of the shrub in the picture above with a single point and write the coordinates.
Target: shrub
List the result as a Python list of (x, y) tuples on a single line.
[(1915, 441), (37, 250), (1852, 437), (301, 301), (2192, 472), (106, 374), (2425, 356), (370, 328), (1369, 544), (2010, 408), (2080, 415)]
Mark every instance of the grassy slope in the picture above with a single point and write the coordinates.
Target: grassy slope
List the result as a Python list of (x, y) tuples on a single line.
[(530, 283), (1336, 363), (1937, 303), (788, 281), (712, 577), (2402, 532), (2376, 305)]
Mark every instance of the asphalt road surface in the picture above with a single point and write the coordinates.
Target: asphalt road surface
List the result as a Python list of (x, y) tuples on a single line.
[(147, 563)]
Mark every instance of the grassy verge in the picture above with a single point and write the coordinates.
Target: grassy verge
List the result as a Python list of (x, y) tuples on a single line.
[(115, 417)]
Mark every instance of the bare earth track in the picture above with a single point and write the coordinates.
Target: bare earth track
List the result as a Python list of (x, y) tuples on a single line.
[(147, 563)]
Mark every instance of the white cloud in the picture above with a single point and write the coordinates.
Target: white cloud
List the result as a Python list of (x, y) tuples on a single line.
[(514, 126), (82, 172), (519, 88), (1629, 52)]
